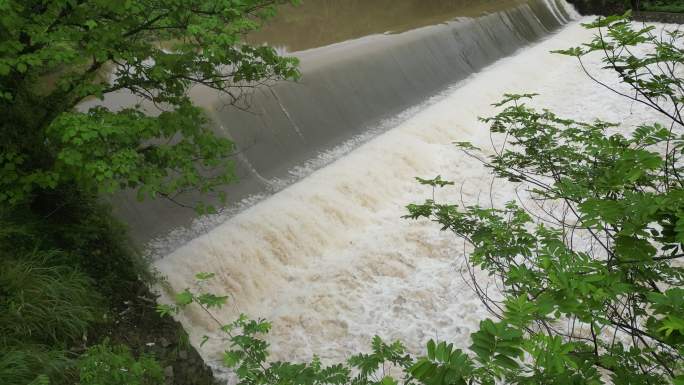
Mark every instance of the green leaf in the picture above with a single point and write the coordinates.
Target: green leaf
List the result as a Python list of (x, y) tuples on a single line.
[(435, 182), (204, 340), (202, 276), (505, 361), (431, 349), (184, 298), (232, 358), (211, 300), (387, 380), (165, 310)]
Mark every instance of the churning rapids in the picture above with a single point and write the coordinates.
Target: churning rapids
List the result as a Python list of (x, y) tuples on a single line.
[(327, 258)]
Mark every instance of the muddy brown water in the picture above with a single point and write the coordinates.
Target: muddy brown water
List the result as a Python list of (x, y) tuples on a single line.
[(317, 23)]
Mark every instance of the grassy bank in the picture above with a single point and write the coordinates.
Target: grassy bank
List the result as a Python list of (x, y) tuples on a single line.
[(74, 293)]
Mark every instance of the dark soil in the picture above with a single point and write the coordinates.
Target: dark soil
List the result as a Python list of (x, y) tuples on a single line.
[(601, 7), (135, 323)]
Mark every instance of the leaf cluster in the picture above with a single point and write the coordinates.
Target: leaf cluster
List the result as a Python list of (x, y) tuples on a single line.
[(104, 364), (589, 262), (55, 55)]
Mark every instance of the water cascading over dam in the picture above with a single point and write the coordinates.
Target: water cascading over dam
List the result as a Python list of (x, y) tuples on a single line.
[(323, 253), (349, 92)]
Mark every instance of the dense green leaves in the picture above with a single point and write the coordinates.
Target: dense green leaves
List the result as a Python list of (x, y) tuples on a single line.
[(590, 271), (443, 365), (662, 5), (65, 145), (57, 54), (106, 365)]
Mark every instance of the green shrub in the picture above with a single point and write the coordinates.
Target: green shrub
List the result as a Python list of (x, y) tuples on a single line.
[(56, 162), (663, 6), (106, 365)]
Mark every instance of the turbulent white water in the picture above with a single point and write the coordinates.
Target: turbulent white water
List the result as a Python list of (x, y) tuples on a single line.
[(329, 260)]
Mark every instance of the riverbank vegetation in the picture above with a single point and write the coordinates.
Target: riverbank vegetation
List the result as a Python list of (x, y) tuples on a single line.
[(588, 260), (72, 288), (662, 6), (610, 7)]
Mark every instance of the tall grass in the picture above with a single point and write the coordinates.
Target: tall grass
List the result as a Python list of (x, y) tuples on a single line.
[(45, 303), (44, 310), (64, 263), (32, 364)]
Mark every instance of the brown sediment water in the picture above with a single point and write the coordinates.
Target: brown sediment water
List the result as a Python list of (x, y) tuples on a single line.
[(317, 23)]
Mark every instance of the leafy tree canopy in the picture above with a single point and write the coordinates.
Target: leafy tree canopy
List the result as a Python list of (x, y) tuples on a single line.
[(56, 54)]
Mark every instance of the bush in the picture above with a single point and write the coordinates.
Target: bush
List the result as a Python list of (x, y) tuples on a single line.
[(106, 365), (663, 6), (56, 162), (590, 265)]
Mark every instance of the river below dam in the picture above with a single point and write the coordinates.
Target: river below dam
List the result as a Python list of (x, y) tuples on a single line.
[(325, 255)]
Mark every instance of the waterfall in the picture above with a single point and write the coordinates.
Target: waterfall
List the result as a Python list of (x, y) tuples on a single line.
[(328, 259), (349, 92)]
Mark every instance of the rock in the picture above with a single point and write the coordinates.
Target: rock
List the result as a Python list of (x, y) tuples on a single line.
[(164, 342), (183, 355), (168, 371)]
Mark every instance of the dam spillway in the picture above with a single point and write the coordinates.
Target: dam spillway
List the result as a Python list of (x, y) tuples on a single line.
[(349, 92), (328, 259)]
